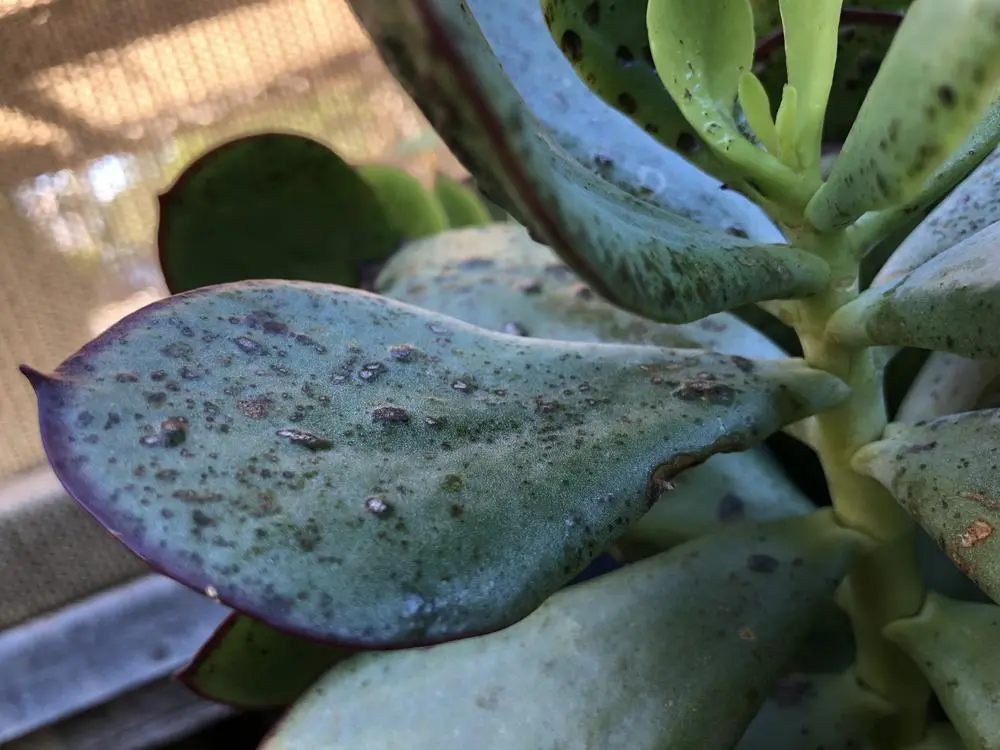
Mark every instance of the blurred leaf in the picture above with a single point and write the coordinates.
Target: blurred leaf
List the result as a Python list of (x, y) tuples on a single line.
[(461, 203), (359, 471), (675, 651), (940, 737), (817, 711), (253, 666), (599, 137), (635, 254), (412, 209), (944, 473), (270, 206), (950, 384), (955, 644), (950, 303), (918, 111), (609, 50)]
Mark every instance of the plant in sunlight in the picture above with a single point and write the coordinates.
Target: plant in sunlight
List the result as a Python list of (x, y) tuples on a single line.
[(525, 483)]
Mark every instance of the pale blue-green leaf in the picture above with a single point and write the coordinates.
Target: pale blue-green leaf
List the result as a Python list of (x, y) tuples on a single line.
[(676, 651), (499, 278), (701, 48), (634, 253), (955, 644), (726, 489), (598, 136), (827, 711), (950, 384), (608, 47), (874, 227), (944, 473), (349, 468), (810, 29), (253, 666), (934, 86), (972, 206), (950, 303)]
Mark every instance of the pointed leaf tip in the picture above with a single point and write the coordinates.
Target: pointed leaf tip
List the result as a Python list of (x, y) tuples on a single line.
[(359, 471), (35, 377)]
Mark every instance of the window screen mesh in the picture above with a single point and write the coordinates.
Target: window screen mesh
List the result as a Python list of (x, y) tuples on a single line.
[(103, 101)]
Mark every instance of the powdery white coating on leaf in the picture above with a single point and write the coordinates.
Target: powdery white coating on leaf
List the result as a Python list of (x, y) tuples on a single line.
[(360, 471)]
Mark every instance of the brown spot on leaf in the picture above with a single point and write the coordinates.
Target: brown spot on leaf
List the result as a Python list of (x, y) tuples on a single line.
[(976, 533)]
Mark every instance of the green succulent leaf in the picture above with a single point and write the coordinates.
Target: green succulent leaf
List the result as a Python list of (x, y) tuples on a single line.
[(674, 651), (810, 30), (756, 107), (816, 711), (274, 205), (969, 208), (701, 49), (944, 473), (955, 645), (462, 204), (359, 471), (500, 279), (607, 45), (919, 110), (633, 253), (599, 137), (950, 303), (253, 666), (412, 209), (950, 384)]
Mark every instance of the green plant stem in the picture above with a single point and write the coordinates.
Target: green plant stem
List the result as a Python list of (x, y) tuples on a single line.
[(885, 584)]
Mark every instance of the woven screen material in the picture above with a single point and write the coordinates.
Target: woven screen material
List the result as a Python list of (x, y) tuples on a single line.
[(102, 103)]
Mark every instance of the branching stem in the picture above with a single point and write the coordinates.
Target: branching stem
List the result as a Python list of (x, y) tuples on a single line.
[(886, 584)]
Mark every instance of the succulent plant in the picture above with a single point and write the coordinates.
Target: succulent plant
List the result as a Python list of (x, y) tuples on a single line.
[(528, 483)]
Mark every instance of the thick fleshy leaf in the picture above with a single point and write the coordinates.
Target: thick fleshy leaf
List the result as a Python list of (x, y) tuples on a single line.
[(635, 254), (675, 651), (944, 473), (862, 41), (811, 52), (701, 48), (955, 644), (608, 47), (815, 711), (461, 203), (726, 489), (599, 137), (356, 470), (412, 209), (950, 303), (969, 208), (934, 86), (253, 666), (940, 737), (950, 384), (500, 279), (271, 206)]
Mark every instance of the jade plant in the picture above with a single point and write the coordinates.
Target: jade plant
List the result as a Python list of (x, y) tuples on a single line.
[(532, 478)]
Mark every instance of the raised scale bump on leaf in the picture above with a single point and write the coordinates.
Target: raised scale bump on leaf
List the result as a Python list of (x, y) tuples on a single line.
[(500, 279), (272, 205), (600, 137), (637, 255), (250, 665), (918, 111), (950, 303), (955, 644), (944, 472), (349, 468), (677, 651)]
